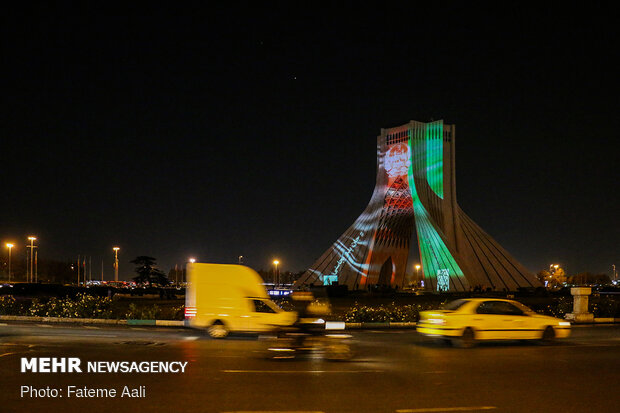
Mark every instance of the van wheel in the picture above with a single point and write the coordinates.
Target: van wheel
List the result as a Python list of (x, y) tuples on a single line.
[(548, 335), (217, 330), (467, 340)]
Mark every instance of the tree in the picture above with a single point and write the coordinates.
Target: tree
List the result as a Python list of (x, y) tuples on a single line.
[(559, 276), (543, 276), (147, 271), (553, 279), (586, 278)]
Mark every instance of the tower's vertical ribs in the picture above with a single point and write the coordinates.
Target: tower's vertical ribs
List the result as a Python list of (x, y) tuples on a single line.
[(445, 260), (497, 248), (469, 237), (482, 249)]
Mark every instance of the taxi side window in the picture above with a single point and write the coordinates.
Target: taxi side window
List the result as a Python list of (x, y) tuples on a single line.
[(509, 309), (261, 307), (498, 307), (486, 307)]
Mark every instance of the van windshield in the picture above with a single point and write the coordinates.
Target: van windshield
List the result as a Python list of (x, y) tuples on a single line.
[(266, 306)]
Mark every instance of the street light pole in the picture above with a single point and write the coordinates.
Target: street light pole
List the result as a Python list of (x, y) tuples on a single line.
[(116, 263), (32, 240), (417, 273), (276, 278), (10, 247)]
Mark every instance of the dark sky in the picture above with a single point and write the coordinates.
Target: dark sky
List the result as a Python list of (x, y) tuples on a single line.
[(252, 131)]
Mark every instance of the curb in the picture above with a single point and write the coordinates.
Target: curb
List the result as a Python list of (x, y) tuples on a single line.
[(61, 320), (182, 323), (351, 326), (606, 320)]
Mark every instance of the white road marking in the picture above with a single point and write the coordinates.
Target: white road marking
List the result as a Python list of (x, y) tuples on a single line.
[(190, 338), (44, 325), (300, 371), (92, 327), (447, 409), (273, 411)]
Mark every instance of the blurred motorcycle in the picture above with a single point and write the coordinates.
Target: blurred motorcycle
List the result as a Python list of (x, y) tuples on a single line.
[(299, 344)]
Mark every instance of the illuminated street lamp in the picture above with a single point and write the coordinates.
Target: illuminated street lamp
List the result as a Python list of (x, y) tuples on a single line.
[(32, 240), (9, 246), (116, 263), (275, 274), (417, 272), (191, 260)]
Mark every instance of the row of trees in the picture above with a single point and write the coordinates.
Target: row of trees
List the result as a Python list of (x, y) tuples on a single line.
[(558, 278)]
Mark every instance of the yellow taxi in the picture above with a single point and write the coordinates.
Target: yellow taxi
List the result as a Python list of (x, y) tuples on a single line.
[(468, 320)]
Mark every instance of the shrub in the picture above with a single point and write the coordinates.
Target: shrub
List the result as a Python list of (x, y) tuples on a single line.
[(143, 313), (557, 308), (8, 305), (154, 312), (36, 308), (83, 306), (605, 307), (382, 314)]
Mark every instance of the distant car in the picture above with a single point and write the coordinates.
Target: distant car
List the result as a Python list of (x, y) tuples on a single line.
[(466, 321)]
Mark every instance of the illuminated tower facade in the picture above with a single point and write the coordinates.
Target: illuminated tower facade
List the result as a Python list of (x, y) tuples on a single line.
[(412, 207)]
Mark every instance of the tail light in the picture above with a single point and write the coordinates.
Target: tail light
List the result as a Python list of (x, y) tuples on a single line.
[(190, 312)]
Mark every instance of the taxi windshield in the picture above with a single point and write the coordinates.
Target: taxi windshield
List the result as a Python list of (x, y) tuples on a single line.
[(523, 308)]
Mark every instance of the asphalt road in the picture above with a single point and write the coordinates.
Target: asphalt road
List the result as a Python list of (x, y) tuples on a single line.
[(394, 371)]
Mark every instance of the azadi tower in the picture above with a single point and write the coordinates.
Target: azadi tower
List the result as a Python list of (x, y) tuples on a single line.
[(414, 206)]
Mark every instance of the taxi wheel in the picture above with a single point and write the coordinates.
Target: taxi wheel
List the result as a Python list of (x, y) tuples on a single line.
[(217, 330), (548, 335), (467, 340)]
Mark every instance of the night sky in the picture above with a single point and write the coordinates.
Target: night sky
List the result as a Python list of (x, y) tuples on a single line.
[(239, 131)]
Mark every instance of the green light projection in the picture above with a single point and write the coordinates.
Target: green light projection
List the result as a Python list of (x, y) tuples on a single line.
[(434, 156), (434, 253)]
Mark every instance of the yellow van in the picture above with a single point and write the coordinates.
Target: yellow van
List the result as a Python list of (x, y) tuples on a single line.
[(230, 298)]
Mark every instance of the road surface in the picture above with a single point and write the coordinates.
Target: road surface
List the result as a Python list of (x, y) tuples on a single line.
[(394, 371)]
